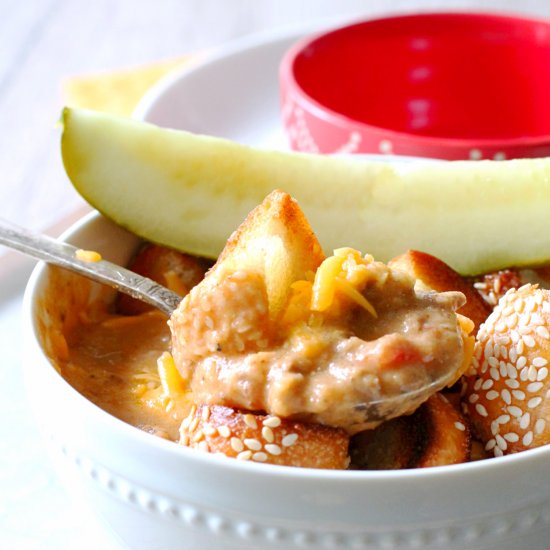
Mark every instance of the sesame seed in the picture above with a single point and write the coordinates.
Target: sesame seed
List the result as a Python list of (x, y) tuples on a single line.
[(522, 361), (524, 374), (542, 374), (198, 436), (493, 361), (259, 457), (491, 395), (539, 362), (185, 423), (487, 384), (488, 351), (460, 426), (203, 446), (237, 444), (194, 423), (532, 373), (289, 440), (502, 340), (250, 421), (503, 369), (253, 444), (513, 355), (512, 437), (529, 341), (540, 424), (524, 322), (514, 411), (527, 439), (272, 422), (525, 421), (495, 428), (473, 398), (512, 383), (208, 322), (498, 452), (184, 440), (534, 402), (205, 413), (535, 387), (480, 409), (511, 321), (519, 395), (208, 429), (505, 394), (224, 431), (477, 384), (520, 347), (267, 434), (495, 375), (490, 444), (244, 455), (273, 449), (501, 442), (511, 370), (503, 419), (536, 319)]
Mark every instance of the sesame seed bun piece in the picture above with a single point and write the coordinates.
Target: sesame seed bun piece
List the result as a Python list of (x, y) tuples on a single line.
[(436, 434), (264, 438), (178, 271), (431, 273), (507, 388)]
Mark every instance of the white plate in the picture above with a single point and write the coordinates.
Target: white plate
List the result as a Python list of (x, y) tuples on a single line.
[(233, 93)]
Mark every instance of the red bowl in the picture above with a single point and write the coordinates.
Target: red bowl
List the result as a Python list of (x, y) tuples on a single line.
[(442, 85)]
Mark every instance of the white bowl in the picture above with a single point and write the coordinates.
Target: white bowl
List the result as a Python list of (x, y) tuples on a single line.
[(156, 494)]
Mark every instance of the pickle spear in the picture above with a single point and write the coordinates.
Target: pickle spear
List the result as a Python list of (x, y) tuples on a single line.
[(190, 192)]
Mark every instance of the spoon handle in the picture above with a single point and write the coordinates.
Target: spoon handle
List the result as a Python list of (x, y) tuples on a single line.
[(64, 255)]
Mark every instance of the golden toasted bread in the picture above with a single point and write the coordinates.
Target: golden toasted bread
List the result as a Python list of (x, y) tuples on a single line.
[(263, 438), (433, 274), (434, 435), (177, 271), (276, 241)]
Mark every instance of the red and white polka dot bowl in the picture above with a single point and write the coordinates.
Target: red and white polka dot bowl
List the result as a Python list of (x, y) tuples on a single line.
[(441, 85)]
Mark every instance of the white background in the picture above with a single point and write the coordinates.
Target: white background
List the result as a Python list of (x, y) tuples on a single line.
[(43, 42)]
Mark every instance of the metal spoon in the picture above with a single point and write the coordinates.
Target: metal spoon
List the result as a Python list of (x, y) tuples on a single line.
[(64, 255)]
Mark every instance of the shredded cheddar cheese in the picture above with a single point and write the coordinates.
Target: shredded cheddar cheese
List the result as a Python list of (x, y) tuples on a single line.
[(88, 255), (344, 273), (172, 383), (340, 277)]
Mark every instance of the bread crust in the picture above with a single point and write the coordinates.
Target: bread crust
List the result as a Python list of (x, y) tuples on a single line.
[(264, 438), (506, 391), (432, 273)]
